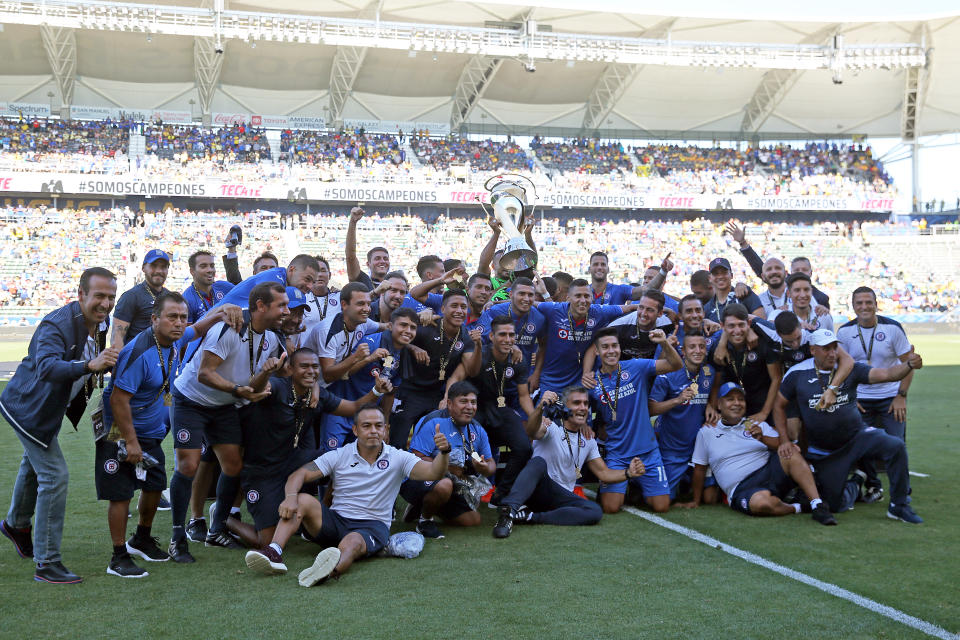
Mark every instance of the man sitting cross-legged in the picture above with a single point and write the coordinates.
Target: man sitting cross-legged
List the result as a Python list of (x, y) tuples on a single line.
[(367, 474)]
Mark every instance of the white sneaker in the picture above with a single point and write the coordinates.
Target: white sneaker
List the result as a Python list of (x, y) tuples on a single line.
[(321, 569)]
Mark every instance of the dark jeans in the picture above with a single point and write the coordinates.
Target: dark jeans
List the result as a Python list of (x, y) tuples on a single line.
[(413, 406), (504, 427), (832, 470), (875, 414), (551, 503)]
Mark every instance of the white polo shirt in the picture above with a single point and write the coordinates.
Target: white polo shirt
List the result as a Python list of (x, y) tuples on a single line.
[(366, 491), (884, 343), (321, 308), (329, 339), (564, 452), (731, 453), (234, 349)]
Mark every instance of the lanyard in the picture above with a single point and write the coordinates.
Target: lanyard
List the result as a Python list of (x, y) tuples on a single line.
[(298, 418), (718, 308), (453, 343), (349, 337), (465, 437), (259, 350), (823, 387), (868, 352), (738, 371), (204, 303), (776, 303), (165, 371), (316, 302), (501, 399), (575, 459), (577, 336), (612, 402)]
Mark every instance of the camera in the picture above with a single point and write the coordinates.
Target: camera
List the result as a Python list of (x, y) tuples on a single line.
[(556, 412)]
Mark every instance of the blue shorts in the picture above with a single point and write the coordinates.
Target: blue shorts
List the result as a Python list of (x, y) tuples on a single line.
[(652, 483), (770, 477), (679, 470), (335, 528)]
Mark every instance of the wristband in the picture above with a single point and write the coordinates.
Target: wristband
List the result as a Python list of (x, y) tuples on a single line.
[(546, 296), (909, 366), (664, 273), (291, 494), (832, 387), (236, 389), (376, 393), (86, 367)]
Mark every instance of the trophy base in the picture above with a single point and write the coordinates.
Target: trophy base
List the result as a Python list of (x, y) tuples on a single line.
[(517, 255)]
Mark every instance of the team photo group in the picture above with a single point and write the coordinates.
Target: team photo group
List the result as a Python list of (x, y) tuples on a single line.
[(304, 408)]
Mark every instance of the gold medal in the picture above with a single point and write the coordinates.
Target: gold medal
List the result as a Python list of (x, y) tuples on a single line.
[(443, 375), (388, 362), (501, 401), (695, 387), (168, 399), (579, 475), (346, 376), (613, 415)]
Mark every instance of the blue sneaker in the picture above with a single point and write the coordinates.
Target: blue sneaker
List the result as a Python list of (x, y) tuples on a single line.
[(903, 512)]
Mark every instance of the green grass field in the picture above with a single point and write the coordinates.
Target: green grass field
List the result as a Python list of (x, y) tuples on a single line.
[(622, 578)]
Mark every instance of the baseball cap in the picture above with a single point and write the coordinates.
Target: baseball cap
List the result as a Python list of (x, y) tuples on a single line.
[(719, 262), (822, 337), (727, 387), (297, 299), (155, 254)]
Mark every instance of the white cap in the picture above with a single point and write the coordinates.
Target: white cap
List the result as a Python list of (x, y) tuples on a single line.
[(822, 337)]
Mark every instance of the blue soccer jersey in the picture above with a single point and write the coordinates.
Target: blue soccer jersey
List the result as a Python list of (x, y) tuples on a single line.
[(360, 382), (613, 294), (198, 304), (140, 372), (463, 440), (529, 327), (630, 433), (677, 429), (434, 302), (240, 294), (567, 340)]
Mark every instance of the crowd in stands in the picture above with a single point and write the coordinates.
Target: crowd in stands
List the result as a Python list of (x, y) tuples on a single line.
[(227, 145), (43, 252), (582, 155), (356, 148), (481, 155)]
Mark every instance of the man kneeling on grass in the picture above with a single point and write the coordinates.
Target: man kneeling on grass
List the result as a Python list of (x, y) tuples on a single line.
[(366, 474), (740, 453)]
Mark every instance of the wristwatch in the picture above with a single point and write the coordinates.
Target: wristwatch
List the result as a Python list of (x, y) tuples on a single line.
[(832, 387), (236, 389), (902, 393)]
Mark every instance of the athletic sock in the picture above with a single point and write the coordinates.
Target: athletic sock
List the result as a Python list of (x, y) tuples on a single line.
[(815, 502), (119, 550), (276, 547), (180, 488), (227, 487), (143, 532), (796, 506)]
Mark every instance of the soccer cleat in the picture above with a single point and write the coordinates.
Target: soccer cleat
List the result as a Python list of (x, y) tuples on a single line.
[(872, 494), (523, 515), (179, 551), (504, 523), (146, 548), (266, 561), (21, 539), (124, 567), (904, 513), (55, 573), (822, 515), (429, 529), (197, 530), (321, 568), (222, 539)]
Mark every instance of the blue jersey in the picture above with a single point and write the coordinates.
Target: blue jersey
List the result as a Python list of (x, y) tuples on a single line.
[(434, 302), (463, 440), (613, 294), (711, 339), (677, 429), (631, 433), (529, 328), (139, 371), (360, 383), (240, 294), (669, 302), (198, 304), (567, 341)]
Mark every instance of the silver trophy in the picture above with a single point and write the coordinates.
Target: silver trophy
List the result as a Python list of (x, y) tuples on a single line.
[(511, 196)]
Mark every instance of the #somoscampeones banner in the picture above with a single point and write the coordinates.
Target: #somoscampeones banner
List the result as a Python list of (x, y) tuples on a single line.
[(124, 185)]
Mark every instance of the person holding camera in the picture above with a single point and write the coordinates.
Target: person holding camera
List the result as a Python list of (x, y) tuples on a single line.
[(562, 446)]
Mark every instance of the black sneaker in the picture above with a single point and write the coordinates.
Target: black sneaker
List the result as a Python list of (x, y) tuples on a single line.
[(523, 515), (179, 551), (222, 539), (411, 513), (124, 567), (822, 515), (429, 529), (147, 548), (504, 523), (21, 538), (55, 573), (873, 494), (197, 530)]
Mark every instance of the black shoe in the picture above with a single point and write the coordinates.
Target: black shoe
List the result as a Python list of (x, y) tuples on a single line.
[(55, 573), (411, 513), (429, 529), (21, 539), (147, 548), (197, 530), (822, 515), (523, 515), (179, 551), (222, 539), (504, 523), (124, 567), (872, 494)]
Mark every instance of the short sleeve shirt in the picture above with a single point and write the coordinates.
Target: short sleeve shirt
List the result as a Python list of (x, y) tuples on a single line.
[(630, 433), (566, 341), (135, 307), (731, 453), (831, 429), (565, 453), (198, 304), (464, 440)]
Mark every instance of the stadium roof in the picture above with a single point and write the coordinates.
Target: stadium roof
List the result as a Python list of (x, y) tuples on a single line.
[(137, 70)]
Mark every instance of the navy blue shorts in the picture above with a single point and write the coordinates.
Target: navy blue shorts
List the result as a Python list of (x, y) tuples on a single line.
[(264, 495), (116, 481), (414, 491), (195, 425), (335, 528), (770, 477)]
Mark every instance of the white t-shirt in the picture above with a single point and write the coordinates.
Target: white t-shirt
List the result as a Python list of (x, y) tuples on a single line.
[(234, 349), (563, 452), (885, 342), (321, 308), (89, 353), (365, 491), (731, 452), (330, 340)]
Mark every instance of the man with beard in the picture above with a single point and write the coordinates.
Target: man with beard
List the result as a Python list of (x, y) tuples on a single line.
[(800, 292), (692, 321), (321, 300), (388, 296), (605, 293), (701, 287), (528, 322), (134, 308), (205, 291), (378, 258), (633, 329), (433, 277), (479, 292)]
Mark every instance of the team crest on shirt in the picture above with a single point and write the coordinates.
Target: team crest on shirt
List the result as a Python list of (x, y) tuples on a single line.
[(359, 335), (458, 345), (252, 496), (530, 327), (508, 372), (746, 434), (383, 464), (706, 371), (219, 295), (332, 443), (334, 302), (798, 356), (591, 323), (881, 336), (743, 503), (752, 356), (562, 334), (183, 435), (111, 466), (473, 436), (624, 375)]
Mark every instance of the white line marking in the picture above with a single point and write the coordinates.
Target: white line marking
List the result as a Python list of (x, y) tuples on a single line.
[(919, 475), (894, 614)]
